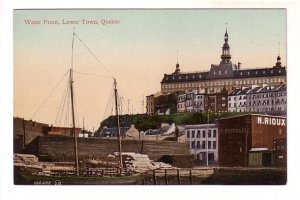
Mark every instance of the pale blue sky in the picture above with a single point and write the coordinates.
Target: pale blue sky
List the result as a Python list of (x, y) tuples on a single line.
[(138, 51)]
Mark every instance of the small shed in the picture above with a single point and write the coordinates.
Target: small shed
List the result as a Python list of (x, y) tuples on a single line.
[(260, 157)]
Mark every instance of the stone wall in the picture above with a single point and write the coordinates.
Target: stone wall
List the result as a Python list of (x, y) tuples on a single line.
[(62, 148)]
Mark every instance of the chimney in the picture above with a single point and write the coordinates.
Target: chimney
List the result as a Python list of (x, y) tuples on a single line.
[(239, 65)]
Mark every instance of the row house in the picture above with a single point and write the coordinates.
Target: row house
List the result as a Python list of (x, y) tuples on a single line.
[(266, 99), (181, 103), (201, 102), (237, 100)]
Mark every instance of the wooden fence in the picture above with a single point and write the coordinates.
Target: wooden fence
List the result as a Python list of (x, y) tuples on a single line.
[(176, 176)]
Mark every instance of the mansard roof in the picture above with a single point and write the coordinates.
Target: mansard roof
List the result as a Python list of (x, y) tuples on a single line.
[(243, 91), (258, 90), (217, 72)]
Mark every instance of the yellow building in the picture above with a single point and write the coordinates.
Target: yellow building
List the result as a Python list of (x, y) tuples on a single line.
[(225, 74)]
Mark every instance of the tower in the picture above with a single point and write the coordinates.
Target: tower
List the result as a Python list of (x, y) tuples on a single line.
[(278, 63), (226, 49), (177, 70)]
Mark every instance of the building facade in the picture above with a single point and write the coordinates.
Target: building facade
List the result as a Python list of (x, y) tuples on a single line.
[(216, 102), (237, 100), (223, 74), (203, 141), (267, 99), (194, 101), (181, 98), (250, 140)]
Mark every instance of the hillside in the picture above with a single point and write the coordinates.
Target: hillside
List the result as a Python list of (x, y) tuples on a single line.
[(145, 122)]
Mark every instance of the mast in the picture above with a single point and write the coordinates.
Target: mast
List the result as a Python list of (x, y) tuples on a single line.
[(118, 123), (73, 113)]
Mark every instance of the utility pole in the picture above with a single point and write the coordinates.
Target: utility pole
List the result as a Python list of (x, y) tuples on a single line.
[(24, 134), (128, 106), (118, 123)]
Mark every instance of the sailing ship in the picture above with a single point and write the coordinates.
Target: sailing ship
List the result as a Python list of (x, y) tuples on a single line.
[(81, 176)]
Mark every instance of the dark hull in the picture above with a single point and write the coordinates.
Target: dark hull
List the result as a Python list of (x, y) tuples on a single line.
[(29, 179)]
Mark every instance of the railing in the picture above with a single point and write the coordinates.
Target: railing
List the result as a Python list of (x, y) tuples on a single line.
[(176, 176)]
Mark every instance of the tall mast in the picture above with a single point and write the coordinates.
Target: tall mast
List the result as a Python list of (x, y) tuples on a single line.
[(118, 123), (73, 113)]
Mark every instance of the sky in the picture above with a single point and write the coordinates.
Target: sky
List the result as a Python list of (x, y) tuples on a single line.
[(138, 49), (248, 34)]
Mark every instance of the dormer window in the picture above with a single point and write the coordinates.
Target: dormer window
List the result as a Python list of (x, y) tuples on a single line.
[(279, 71), (173, 77), (179, 77), (271, 71), (200, 76), (186, 76), (167, 78), (220, 72), (255, 72), (214, 72), (264, 72), (248, 73), (225, 71), (241, 73)]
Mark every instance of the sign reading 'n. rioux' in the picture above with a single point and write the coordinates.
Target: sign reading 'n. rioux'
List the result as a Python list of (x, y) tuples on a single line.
[(271, 121)]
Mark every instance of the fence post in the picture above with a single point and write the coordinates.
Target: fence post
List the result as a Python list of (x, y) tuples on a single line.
[(191, 177), (178, 176), (166, 178), (154, 178)]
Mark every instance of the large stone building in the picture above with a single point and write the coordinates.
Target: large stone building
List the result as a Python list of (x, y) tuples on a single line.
[(224, 74)]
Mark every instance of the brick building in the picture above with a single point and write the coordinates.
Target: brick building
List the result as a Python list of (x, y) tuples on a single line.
[(61, 131), (252, 140), (24, 131)]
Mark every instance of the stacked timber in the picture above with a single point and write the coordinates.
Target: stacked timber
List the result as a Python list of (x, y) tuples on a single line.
[(141, 163)]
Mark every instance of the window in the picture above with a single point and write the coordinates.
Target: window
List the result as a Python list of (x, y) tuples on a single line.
[(209, 133), (203, 134), (203, 145), (193, 144), (214, 144), (198, 134), (193, 134), (198, 144), (214, 133), (209, 145), (188, 134)]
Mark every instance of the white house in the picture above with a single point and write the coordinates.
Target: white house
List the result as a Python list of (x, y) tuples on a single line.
[(203, 141)]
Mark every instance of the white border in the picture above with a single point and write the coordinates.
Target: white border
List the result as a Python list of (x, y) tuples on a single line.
[(9, 191)]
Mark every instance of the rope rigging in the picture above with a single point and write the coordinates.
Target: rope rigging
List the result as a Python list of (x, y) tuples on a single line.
[(92, 53), (51, 92)]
